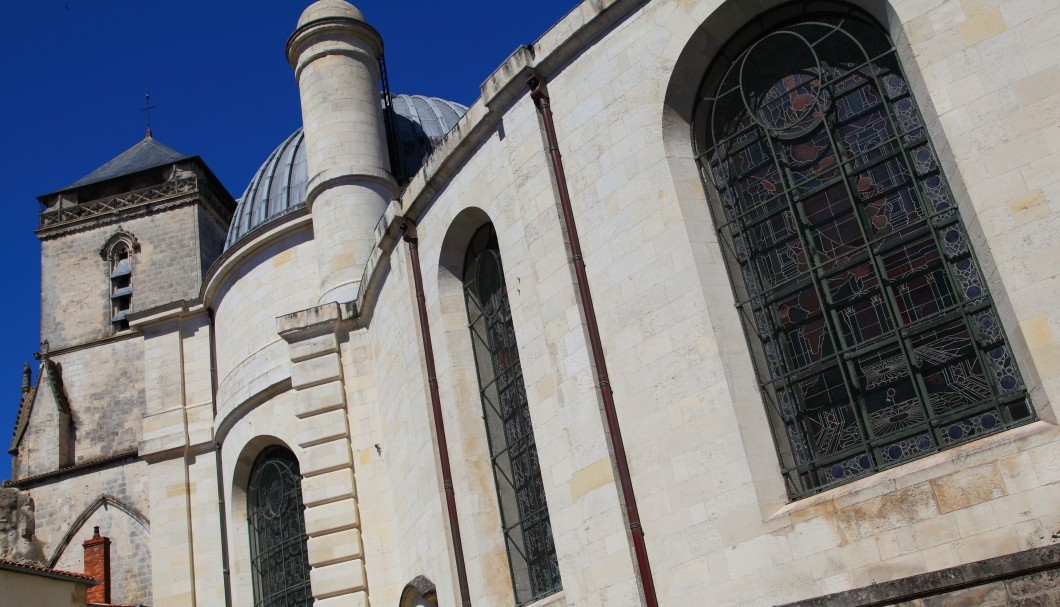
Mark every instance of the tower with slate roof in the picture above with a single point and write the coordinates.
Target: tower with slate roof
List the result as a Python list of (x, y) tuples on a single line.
[(137, 233)]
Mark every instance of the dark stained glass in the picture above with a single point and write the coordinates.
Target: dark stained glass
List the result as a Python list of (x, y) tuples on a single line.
[(279, 560), (874, 335), (516, 470)]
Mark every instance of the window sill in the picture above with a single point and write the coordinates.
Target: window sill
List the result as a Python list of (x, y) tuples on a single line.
[(554, 600), (915, 471)]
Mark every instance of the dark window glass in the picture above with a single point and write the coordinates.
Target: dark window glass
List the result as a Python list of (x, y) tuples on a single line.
[(524, 513), (279, 561), (874, 335)]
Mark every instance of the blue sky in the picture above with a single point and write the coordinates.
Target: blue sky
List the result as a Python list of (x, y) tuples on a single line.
[(76, 72)]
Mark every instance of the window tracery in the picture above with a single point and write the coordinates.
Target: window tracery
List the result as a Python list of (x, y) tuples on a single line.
[(516, 469), (118, 253), (873, 333), (278, 552)]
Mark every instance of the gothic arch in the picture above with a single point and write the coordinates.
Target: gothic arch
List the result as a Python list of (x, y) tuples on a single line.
[(103, 501), (119, 238)]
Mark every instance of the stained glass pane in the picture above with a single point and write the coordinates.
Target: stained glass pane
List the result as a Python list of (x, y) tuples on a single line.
[(516, 469), (873, 332), (279, 560)]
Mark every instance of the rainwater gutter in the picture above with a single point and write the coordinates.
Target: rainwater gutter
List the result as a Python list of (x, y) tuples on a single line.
[(218, 468), (408, 233), (540, 97)]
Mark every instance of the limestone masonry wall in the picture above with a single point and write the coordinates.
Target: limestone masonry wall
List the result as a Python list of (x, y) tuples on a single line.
[(75, 279)]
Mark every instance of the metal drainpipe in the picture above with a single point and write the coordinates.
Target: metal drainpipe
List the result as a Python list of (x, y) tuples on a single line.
[(408, 233), (187, 460), (541, 101), (222, 519)]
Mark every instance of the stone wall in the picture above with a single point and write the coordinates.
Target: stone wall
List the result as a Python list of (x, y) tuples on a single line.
[(105, 388), (75, 279), (112, 497), (1029, 578)]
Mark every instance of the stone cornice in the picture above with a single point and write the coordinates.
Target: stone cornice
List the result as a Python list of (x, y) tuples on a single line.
[(138, 203)]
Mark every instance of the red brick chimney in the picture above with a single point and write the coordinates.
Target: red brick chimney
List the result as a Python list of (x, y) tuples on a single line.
[(97, 565)]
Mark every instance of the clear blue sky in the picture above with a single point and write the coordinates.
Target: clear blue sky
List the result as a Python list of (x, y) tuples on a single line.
[(76, 72)]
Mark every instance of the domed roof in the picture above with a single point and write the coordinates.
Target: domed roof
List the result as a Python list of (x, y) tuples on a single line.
[(279, 186)]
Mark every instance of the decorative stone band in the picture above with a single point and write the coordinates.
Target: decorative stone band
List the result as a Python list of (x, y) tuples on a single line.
[(1031, 577), (319, 30), (93, 213), (333, 177)]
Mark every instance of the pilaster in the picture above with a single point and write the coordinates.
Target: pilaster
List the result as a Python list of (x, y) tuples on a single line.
[(329, 489)]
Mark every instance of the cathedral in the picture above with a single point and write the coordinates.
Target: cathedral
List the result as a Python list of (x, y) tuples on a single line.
[(701, 302)]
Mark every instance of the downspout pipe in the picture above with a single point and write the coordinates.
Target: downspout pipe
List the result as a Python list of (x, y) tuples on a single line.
[(187, 461), (540, 97), (219, 469), (408, 234)]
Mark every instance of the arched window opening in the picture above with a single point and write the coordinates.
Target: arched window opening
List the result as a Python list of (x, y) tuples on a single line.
[(120, 286), (874, 337), (118, 254), (420, 592), (516, 470), (278, 555)]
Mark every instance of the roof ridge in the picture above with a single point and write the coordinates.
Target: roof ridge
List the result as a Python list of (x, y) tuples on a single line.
[(147, 153)]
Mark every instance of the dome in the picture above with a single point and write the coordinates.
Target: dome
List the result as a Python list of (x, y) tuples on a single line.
[(329, 9), (279, 186)]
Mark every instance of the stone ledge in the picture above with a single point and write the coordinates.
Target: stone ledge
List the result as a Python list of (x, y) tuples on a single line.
[(940, 582)]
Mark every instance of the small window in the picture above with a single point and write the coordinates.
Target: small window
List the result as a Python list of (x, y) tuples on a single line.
[(420, 592), (118, 254), (120, 285)]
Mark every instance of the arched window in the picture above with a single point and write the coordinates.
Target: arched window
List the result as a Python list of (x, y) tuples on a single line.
[(118, 253), (516, 470), (874, 337), (420, 592), (279, 560)]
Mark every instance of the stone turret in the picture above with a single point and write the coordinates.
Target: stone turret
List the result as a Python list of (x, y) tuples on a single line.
[(335, 55)]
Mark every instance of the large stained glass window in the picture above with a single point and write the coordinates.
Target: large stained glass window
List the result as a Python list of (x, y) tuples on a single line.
[(516, 470), (874, 335), (279, 561)]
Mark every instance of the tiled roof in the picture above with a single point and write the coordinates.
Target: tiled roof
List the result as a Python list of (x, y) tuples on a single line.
[(41, 570)]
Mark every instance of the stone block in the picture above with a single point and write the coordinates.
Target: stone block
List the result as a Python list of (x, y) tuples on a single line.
[(591, 477), (968, 487), (316, 371), (355, 599), (337, 578), (335, 547), (888, 511), (1046, 460), (331, 517), (321, 428), (313, 347), (319, 399), (325, 457), (327, 487)]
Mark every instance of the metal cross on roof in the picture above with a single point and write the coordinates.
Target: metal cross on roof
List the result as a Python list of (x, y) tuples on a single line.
[(147, 108)]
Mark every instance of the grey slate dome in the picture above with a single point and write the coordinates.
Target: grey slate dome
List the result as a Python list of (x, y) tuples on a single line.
[(279, 186)]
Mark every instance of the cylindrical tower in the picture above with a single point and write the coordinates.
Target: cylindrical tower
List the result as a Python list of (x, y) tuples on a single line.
[(335, 55)]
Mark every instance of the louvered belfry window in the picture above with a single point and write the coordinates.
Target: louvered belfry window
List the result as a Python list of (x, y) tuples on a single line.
[(516, 470), (279, 558), (874, 337)]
